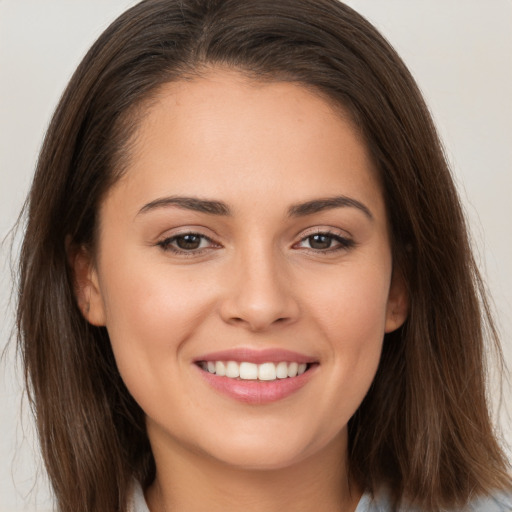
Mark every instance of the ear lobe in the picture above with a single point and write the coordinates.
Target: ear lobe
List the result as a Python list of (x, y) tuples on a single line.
[(398, 302), (86, 286)]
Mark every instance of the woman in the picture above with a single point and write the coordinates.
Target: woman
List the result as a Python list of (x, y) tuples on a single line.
[(258, 287)]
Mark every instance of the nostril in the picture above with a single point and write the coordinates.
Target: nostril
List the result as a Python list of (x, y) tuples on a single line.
[(258, 311)]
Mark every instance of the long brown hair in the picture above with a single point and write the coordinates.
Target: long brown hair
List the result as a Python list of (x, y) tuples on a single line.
[(423, 430)]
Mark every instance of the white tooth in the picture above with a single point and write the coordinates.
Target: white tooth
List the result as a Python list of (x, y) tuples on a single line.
[(282, 370), (232, 369), (292, 369), (302, 368), (267, 371), (248, 371), (210, 365), (220, 368)]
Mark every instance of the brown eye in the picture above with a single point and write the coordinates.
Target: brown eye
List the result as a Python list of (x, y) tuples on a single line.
[(188, 242), (320, 241), (325, 243), (191, 243)]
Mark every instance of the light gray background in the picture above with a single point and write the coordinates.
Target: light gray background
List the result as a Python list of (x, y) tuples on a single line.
[(460, 52)]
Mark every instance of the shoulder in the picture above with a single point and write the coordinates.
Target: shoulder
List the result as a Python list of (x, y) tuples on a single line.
[(498, 502), (137, 502)]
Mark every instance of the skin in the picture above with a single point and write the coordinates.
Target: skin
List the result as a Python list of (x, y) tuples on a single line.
[(260, 283)]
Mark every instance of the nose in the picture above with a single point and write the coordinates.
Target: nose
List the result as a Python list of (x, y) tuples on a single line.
[(259, 293)]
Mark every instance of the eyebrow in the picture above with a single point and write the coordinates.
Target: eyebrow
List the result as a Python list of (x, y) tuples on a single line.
[(328, 203), (212, 207), (189, 203)]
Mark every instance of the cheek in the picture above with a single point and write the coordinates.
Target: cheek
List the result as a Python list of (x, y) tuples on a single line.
[(351, 302), (150, 315), (350, 311)]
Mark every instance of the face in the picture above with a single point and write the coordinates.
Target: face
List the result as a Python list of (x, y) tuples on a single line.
[(248, 237)]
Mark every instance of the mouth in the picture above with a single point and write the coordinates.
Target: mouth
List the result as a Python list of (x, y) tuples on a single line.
[(245, 370), (256, 377)]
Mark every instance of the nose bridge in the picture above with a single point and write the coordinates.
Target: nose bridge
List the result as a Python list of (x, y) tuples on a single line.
[(259, 293)]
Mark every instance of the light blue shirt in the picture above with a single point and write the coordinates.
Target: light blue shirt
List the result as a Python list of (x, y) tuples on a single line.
[(501, 502)]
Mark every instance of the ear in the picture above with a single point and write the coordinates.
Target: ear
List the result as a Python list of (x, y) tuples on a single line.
[(398, 302), (86, 285)]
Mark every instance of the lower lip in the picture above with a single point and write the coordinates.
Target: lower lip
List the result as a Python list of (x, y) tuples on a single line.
[(255, 391)]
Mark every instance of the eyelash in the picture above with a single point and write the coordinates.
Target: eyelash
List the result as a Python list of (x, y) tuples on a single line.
[(343, 243)]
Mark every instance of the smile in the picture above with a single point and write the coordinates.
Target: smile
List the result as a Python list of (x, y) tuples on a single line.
[(245, 370), (256, 377)]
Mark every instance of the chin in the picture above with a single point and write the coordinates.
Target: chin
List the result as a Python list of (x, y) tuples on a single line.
[(268, 451), (268, 458)]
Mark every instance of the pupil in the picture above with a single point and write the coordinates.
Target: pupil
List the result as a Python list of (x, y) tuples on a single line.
[(320, 241), (188, 242)]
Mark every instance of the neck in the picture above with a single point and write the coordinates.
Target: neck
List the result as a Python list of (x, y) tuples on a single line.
[(188, 481)]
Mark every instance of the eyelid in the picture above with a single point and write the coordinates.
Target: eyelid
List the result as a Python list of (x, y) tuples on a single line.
[(182, 230), (324, 230)]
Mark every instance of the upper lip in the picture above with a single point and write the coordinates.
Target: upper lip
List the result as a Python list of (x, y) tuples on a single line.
[(256, 356)]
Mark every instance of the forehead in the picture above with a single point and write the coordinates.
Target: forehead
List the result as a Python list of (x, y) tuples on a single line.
[(222, 134)]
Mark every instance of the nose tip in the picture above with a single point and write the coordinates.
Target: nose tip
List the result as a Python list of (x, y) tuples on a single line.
[(257, 318), (258, 299)]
